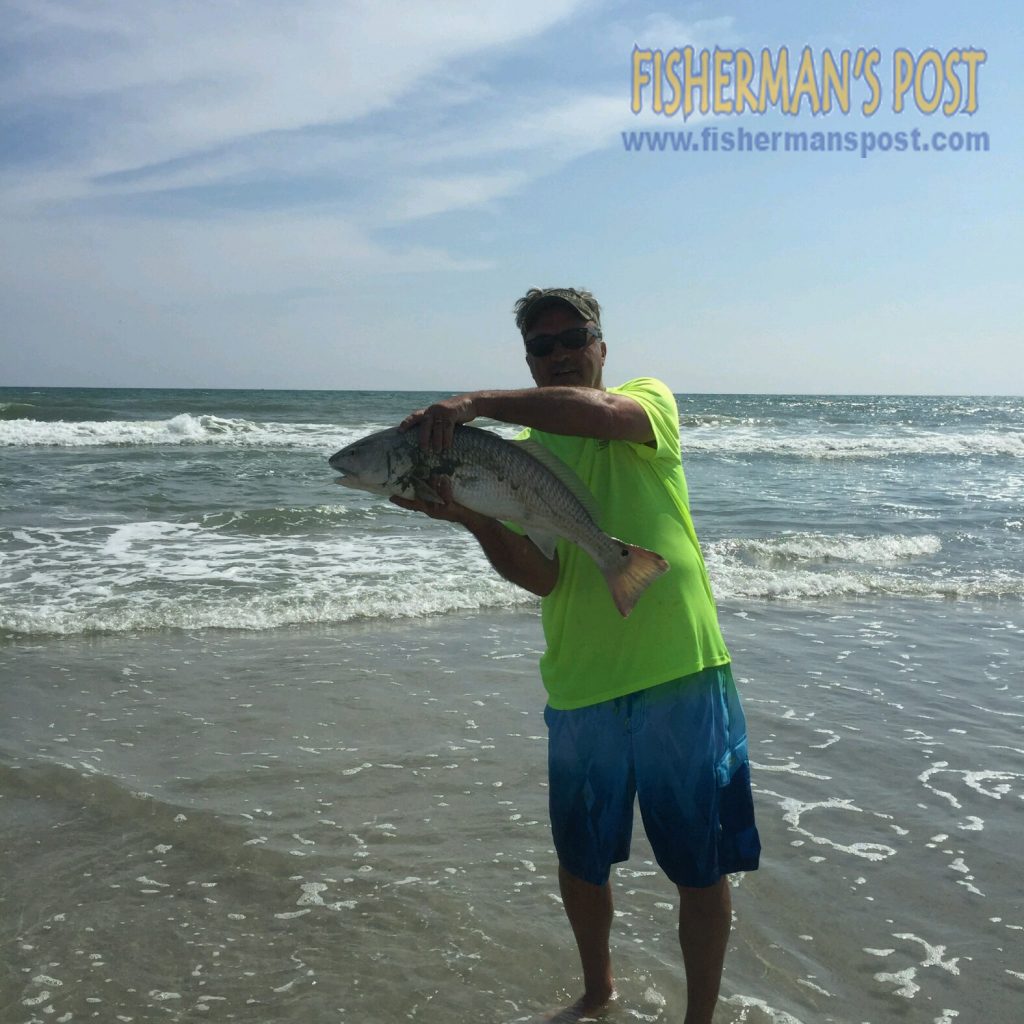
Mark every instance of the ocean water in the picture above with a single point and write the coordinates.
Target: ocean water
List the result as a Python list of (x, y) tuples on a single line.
[(272, 750), (127, 510)]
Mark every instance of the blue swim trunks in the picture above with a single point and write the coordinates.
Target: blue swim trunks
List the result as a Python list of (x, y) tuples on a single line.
[(681, 748)]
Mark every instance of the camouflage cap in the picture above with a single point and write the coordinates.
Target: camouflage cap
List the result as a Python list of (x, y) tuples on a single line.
[(536, 300)]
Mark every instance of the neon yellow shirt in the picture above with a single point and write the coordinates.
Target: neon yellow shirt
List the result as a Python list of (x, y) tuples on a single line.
[(593, 654)]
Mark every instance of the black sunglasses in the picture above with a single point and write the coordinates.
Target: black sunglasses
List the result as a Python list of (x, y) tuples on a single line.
[(543, 345)]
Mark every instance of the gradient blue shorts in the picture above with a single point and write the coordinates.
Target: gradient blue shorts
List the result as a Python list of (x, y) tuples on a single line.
[(681, 748)]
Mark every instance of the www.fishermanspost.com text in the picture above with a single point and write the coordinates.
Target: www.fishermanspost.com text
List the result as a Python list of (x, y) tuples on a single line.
[(864, 142)]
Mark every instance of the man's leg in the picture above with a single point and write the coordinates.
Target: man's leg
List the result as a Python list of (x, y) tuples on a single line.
[(690, 732), (705, 918), (591, 794), (589, 909)]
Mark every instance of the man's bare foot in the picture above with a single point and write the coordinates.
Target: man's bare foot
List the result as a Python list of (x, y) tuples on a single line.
[(585, 1008)]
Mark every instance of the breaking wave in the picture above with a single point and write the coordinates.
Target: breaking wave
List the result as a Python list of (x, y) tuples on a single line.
[(709, 441), (810, 566), (183, 429), (801, 548)]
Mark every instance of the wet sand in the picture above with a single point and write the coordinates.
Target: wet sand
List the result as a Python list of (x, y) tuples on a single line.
[(350, 824)]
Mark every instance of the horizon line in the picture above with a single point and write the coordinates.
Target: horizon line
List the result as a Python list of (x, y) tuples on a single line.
[(420, 391)]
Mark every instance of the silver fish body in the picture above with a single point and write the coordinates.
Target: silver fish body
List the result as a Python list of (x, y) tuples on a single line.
[(513, 481)]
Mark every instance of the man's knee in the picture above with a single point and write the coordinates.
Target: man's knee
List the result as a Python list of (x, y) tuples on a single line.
[(707, 895)]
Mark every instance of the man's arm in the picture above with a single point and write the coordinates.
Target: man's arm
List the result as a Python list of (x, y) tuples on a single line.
[(514, 557), (580, 412)]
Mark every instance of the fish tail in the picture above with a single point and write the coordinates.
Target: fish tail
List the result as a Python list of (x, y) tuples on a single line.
[(632, 572)]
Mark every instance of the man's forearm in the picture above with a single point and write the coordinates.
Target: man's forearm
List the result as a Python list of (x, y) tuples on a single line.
[(513, 556), (581, 412)]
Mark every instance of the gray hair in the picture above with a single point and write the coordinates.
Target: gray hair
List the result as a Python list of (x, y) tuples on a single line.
[(529, 307)]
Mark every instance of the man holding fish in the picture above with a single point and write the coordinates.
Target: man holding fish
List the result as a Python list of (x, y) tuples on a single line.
[(641, 700)]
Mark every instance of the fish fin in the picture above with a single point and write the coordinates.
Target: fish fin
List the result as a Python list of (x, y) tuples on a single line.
[(425, 492), (564, 473), (633, 571), (547, 542)]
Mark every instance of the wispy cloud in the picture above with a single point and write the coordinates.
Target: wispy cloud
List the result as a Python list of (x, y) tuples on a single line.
[(250, 145), (210, 98), (198, 81)]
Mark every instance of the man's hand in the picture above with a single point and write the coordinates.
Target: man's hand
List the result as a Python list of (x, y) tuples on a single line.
[(436, 423)]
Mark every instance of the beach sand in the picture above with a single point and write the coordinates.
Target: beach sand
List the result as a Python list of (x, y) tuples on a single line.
[(349, 824)]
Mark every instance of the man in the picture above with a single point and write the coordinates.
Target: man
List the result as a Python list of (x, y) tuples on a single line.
[(641, 706)]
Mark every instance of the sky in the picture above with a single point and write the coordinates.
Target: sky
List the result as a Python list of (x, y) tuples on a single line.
[(351, 194)]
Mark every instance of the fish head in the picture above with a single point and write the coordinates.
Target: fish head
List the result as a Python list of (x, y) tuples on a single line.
[(381, 463)]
